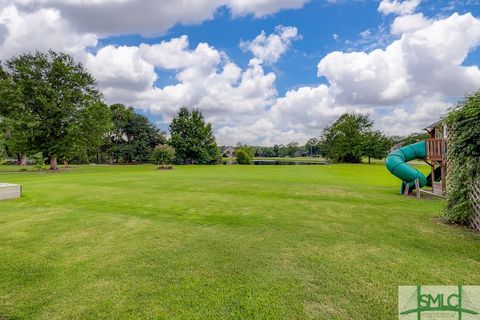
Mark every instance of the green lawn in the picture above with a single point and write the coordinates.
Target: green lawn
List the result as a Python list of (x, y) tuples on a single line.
[(221, 242), (297, 159)]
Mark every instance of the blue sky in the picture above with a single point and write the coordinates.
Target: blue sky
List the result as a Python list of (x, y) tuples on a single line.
[(405, 62), (317, 23)]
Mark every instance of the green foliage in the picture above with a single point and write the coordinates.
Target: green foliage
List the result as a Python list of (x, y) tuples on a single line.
[(292, 148), (376, 145), (193, 139), (464, 158), (344, 140), (312, 147), (132, 136), (350, 138), (244, 154), (38, 161), (3, 146), (163, 154), (53, 105)]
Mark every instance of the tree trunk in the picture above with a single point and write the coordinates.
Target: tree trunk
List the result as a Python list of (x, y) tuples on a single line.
[(368, 160), (110, 160), (23, 160), (53, 163)]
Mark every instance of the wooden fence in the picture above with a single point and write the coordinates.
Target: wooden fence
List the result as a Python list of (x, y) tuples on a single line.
[(475, 196)]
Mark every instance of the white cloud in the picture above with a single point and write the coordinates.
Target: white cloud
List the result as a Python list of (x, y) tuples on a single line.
[(260, 132), (147, 17), (413, 117), (409, 23), (425, 61), (205, 77), (40, 30), (399, 7), (270, 48), (263, 7), (307, 109)]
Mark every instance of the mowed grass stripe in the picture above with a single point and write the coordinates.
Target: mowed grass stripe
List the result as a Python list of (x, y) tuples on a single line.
[(221, 242)]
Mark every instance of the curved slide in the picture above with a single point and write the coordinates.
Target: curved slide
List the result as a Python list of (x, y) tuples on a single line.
[(396, 163)]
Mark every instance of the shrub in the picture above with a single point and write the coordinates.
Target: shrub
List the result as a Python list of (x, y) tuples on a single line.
[(464, 158), (244, 155), (163, 154), (38, 161)]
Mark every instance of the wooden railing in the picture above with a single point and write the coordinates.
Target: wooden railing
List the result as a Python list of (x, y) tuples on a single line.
[(436, 149)]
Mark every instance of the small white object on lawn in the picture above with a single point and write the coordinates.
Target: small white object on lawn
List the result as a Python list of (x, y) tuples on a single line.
[(10, 191)]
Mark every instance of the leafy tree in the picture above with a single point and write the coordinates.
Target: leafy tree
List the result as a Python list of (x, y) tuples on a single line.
[(269, 153), (244, 154), (343, 141), (376, 145), (163, 154), (132, 136), (58, 103), (193, 139), (15, 127), (292, 148), (276, 150), (282, 150), (312, 146), (3, 147)]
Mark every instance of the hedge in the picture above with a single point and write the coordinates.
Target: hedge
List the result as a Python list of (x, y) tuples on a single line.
[(464, 158)]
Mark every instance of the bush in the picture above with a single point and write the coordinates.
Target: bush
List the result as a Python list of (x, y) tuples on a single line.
[(163, 154), (464, 159), (244, 155), (38, 161)]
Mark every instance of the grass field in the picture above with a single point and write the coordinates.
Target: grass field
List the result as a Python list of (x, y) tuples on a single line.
[(222, 242), (297, 159)]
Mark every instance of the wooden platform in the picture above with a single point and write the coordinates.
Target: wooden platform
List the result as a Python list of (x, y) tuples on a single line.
[(10, 191)]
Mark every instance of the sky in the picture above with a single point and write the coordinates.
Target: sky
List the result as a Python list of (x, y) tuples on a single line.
[(264, 72)]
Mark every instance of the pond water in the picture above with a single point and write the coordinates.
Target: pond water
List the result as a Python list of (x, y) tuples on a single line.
[(261, 162)]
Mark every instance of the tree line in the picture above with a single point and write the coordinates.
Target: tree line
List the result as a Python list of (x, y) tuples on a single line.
[(350, 138), (50, 107)]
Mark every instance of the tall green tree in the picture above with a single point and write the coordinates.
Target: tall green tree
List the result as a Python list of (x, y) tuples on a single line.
[(132, 136), (292, 149), (58, 101), (376, 145), (343, 141), (15, 127), (193, 138)]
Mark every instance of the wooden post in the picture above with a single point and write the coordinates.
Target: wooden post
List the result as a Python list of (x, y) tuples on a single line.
[(444, 176), (417, 188), (433, 177), (407, 190)]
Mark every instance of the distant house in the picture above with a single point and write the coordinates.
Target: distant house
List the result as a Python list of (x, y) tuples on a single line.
[(227, 151)]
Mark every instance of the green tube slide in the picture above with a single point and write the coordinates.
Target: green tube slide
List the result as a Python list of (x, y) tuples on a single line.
[(396, 163)]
